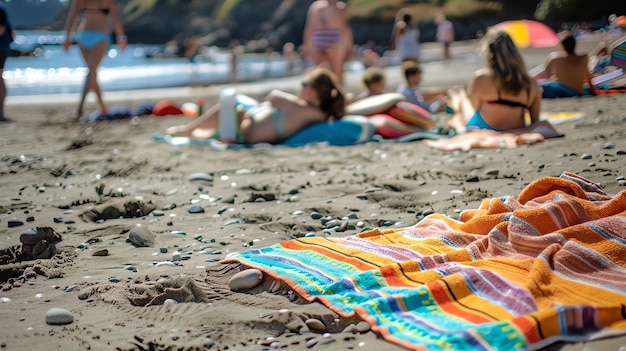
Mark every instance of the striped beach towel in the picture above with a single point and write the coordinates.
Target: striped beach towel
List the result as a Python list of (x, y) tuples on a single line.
[(517, 273)]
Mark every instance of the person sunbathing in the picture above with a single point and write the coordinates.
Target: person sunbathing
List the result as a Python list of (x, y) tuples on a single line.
[(280, 116), (568, 73), (499, 95)]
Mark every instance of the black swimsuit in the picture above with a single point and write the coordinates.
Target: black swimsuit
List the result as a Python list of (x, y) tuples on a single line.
[(102, 10), (510, 103)]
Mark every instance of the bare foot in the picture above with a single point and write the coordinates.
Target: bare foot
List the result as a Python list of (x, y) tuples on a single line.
[(200, 133), (180, 130)]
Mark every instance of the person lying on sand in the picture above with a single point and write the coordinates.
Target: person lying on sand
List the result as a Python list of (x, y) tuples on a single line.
[(567, 71), (280, 116), (499, 95)]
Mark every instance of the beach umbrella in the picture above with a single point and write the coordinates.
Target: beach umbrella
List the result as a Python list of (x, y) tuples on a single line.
[(527, 33)]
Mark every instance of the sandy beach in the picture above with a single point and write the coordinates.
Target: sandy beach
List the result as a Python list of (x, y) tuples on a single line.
[(173, 294)]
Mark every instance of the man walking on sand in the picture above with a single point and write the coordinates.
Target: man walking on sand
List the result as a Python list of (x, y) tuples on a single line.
[(445, 34), (6, 37)]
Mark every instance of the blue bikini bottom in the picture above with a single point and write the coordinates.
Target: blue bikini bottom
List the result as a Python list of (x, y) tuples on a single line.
[(88, 39), (477, 122)]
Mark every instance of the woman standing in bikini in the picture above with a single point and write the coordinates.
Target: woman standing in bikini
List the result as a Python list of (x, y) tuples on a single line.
[(93, 38), (280, 116), (500, 94), (327, 36)]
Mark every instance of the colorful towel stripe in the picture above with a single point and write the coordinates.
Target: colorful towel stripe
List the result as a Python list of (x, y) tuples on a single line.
[(514, 274)]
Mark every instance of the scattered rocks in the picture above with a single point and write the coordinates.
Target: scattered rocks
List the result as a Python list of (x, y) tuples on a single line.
[(59, 316), (246, 279), (39, 243), (118, 209)]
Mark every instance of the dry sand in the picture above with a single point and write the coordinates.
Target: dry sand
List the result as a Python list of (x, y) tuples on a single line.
[(53, 169)]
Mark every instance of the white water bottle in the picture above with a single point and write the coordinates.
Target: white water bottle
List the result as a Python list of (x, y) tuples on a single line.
[(228, 116)]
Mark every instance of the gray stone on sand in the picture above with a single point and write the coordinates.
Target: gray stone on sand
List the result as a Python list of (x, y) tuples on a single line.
[(246, 279), (315, 324), (141, 236), (200, 177), (57, 316)]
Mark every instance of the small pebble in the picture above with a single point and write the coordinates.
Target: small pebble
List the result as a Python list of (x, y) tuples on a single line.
[(195, 209), (15, 223), (200, 177), (56, 316), (315, 324), (363, 327), (103, 252), (586, 157), (316, 215)]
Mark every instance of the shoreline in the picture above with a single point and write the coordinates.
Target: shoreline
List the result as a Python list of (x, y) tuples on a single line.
[(437, 73)]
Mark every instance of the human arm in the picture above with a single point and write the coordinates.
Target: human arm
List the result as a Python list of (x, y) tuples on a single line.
[(120, 39), (394, 35), (592, 88), (279, 99), (534, 106), (71, 18)]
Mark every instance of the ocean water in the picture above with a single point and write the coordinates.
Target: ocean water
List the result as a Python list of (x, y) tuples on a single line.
[(54, 71)]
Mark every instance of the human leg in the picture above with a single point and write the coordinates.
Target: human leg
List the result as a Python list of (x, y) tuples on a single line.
[(335, 57), (202, 125), (463, 109), (93, 57), (3, 90)]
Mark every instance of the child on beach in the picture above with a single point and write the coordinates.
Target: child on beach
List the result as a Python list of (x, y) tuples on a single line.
[(374, 82), (433, 100), (500, 94), (280, 116)]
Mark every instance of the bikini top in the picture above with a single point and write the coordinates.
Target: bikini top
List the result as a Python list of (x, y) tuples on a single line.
[(100, 9), (510, 103)]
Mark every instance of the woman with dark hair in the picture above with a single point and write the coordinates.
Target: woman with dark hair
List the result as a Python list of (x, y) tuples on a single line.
[(499, 95), (93, 38), (280, 116)]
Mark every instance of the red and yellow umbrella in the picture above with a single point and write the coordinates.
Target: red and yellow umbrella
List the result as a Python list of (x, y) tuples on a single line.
[(527, 33)]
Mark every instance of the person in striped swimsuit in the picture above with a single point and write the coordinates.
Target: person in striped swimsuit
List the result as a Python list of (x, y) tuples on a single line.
[(327, 36)]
